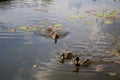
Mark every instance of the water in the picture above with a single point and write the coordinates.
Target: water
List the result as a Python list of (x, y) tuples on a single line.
[(26, 55)]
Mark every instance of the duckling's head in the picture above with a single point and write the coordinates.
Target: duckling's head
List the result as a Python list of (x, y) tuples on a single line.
[(49, 29), (62, 56)]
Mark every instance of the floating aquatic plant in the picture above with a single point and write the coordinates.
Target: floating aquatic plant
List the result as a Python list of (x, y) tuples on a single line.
[(22, 28), (108, 22), (112, 74), (88, 23), (98, 69), (12, 30), (77, 17), (57, 25), (101, 15)]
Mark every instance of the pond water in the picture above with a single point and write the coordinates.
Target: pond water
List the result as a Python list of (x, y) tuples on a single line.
[(93, 28)]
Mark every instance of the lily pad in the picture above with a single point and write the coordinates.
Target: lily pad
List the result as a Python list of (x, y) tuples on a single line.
[(22, 28), (77, 17), (108, 22), (101, 15), (98, 69), (88, 23), (112, 74), (57, 25), (12, 30)]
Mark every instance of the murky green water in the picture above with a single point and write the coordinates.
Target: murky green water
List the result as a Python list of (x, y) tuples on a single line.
[(93, 28)]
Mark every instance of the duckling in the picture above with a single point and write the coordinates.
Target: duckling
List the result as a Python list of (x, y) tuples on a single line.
[(65, 56), (62, 58), (55, 36), (81, 62), (49, 29)]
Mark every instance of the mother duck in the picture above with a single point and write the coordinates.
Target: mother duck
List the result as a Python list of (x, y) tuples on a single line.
[(82, 62)]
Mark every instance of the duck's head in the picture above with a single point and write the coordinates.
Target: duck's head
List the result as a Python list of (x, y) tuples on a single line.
[(77, 59)]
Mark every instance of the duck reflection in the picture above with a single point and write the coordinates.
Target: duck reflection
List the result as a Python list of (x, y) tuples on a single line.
[(76, 69)]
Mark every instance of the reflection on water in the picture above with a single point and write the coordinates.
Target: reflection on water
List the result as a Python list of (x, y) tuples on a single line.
[(93, 27)]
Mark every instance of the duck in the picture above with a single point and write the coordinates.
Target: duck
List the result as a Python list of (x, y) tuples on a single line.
[(55, 36), (64, 56), (82, 62)]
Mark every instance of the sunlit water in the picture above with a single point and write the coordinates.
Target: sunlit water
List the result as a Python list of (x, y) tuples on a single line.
[(31, 56)]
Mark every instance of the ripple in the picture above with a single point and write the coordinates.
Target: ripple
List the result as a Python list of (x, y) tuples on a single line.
[(41, 31)]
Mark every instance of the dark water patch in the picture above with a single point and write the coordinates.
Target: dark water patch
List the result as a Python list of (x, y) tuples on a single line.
[(112, 29)]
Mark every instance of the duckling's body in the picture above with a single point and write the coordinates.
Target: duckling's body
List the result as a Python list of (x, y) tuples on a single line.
[(49, 30), (55, 36), (65, 56), (81, 62)]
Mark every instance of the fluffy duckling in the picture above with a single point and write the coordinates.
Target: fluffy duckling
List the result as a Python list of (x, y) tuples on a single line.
[(65, 56), (55, 36), (81, 62)]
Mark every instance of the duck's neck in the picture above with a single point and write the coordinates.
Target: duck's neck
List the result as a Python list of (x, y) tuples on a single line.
[(77, 59), (62, 56)]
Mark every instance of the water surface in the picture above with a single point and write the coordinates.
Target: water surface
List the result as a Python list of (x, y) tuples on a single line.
[(25, 55)]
